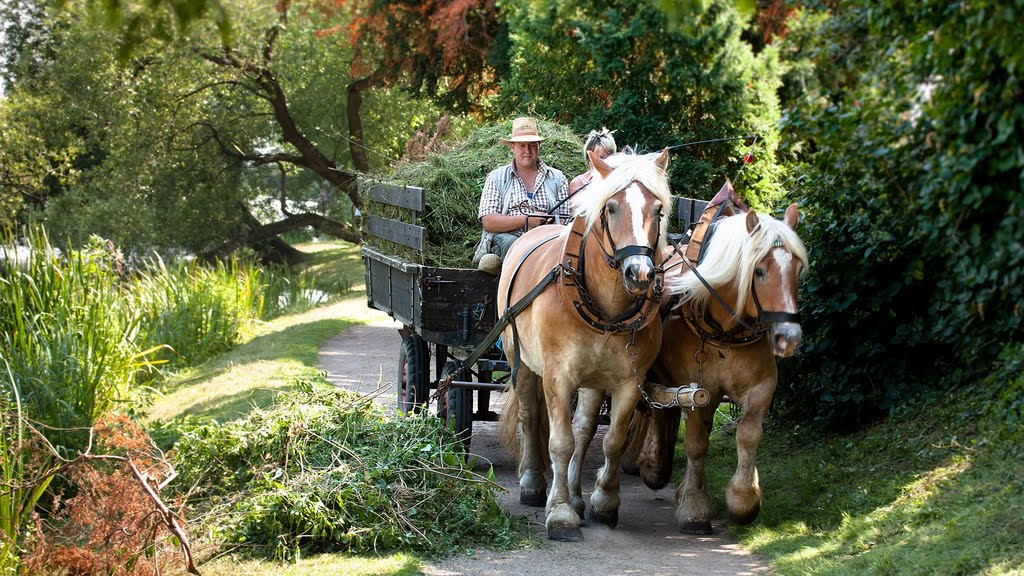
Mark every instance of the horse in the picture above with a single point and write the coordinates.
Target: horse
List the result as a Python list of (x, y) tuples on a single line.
[(754, 264), (600, 329)]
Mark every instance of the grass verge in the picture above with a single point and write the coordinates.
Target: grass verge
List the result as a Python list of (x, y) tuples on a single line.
[(935, 489), (251, 375), (277, 354)]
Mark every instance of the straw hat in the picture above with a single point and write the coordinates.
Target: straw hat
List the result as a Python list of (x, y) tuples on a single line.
[(523, 130)]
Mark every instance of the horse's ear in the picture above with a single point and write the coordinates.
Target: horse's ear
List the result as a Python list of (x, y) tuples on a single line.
[(752, 221), (602, 167), (791, 217), (662, 159)]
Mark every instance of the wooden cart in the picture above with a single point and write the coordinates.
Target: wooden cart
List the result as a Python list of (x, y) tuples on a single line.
[(445, 313)]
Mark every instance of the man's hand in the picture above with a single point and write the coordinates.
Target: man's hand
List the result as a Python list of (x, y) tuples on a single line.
[(534, 220)]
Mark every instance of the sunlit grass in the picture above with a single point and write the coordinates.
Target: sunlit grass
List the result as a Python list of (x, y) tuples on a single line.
[(334, 263), (251, 374), (392, 565), (936, 489)]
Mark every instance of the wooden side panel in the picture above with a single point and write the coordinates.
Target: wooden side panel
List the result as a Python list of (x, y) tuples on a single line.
[(410, 197), (399, 232), (457, 305), (391, 290), (688, 211)]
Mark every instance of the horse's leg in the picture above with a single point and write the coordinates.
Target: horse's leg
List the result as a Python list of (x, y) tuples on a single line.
[(658, 448), (532, 485), (743, 495), (563, 523), (584, 425), (693, 515), (604, 502)]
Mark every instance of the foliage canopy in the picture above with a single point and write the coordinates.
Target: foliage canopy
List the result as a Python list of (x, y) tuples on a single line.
[(906, 139), (626, 66)]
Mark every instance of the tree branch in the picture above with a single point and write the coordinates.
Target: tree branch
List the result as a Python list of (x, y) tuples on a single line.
[(355, 120), (295, 221), (167, 517)]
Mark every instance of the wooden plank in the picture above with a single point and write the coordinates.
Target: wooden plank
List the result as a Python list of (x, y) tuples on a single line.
[(409, 235), (392, 261), (393, 291), (688, 211), (410, 197)]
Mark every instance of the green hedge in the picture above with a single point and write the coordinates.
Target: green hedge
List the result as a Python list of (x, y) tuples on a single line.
[(909, 146)]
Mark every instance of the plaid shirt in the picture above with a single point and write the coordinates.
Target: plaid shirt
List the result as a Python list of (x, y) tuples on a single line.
[(535, 201)]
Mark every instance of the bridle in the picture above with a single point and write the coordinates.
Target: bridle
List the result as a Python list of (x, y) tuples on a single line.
[(617, 255), (772, 316), (746, 332)]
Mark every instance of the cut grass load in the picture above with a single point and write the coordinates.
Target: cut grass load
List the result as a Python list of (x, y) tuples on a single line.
[(453, 182)]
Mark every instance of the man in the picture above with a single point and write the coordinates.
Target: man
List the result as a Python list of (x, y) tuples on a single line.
[(518, 196)]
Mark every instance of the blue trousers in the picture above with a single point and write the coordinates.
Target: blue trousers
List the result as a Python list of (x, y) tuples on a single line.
[(501, 242)]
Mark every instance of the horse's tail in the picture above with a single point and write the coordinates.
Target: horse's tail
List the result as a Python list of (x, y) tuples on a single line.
[(508, 423), (650, 446)]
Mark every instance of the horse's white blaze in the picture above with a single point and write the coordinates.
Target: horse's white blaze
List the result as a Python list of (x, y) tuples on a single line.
[(635, 200), (784, 259)]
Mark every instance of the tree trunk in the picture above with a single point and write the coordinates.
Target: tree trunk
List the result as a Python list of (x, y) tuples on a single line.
[(355, 120)]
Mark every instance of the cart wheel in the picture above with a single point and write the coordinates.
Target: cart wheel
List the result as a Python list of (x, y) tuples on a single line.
[(413, 374), (457, 408)]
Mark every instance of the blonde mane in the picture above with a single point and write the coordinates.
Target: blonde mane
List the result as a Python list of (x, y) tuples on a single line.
[(731, 257), (628, 168)]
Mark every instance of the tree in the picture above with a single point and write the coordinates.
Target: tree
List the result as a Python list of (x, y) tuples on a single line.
[(626, 66), (903, 125), (172, 146)]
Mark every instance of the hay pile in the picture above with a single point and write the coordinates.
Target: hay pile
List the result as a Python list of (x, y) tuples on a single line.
[(454, 180)]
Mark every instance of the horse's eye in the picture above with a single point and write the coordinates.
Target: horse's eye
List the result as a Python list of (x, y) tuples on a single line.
[(612, 209), (760, 273)]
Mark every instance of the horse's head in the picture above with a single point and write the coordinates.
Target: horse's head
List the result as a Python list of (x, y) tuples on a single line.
[(776, 282), (630, 202), (755, 262)]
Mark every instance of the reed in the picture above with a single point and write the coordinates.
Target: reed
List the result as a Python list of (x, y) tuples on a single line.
[(80, 336), (197, 312), (19, 465), (71, 339)]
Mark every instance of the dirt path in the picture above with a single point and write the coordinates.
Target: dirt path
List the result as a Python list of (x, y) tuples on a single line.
[(365, 357)]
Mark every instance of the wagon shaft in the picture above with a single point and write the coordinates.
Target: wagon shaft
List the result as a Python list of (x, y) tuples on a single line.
[(684, 396)]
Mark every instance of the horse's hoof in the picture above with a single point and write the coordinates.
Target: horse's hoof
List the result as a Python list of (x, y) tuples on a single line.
[(565, 533), (696, 527), (531, 498), (745, 517), (609, 518)]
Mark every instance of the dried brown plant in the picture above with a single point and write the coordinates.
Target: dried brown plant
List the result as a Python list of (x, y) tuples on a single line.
[(115, 523)]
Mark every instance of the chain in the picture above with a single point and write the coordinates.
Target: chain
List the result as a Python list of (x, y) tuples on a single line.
[(631, 350), (701, 357)]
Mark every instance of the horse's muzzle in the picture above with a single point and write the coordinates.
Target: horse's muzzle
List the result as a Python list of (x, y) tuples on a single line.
[(785, 338), (637, 274)]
